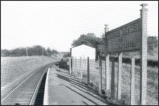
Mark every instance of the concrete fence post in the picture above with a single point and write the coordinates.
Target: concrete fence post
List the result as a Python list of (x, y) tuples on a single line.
[(81, 68), (132, 88), (108, 73), (88, 79), (113, 80), (100, 76), (119, 76), (105, 76), (70, 65)]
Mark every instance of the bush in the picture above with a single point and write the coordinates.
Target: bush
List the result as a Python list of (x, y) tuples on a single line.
[(63, 64)]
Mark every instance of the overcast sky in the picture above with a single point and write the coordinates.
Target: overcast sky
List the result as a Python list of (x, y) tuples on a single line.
[(56, 24)]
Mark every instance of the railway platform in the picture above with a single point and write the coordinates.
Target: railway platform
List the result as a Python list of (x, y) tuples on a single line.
[(63, 89)]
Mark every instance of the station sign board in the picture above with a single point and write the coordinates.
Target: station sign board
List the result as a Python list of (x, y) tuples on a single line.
[(125, 38)]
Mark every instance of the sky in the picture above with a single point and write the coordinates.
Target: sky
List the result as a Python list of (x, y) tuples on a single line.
[(56, 24)]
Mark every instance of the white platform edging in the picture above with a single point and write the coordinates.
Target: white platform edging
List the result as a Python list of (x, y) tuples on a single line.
[(46, 100)]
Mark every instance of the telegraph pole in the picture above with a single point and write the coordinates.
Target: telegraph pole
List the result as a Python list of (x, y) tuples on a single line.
[(26, 49), (42, 51)]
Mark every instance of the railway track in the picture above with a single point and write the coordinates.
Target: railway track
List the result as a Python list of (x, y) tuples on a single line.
[(28, 90)]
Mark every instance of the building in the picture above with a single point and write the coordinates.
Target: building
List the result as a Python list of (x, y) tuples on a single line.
[(83, 51)]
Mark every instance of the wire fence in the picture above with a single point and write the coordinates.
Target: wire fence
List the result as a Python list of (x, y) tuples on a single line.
[(80, 70)]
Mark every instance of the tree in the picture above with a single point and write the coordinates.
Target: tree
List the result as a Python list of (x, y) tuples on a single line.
[(36, 50), (32, 51), (17, 52), (89, 39), (152, 43), (48, 52), (4, 52), (54, 51)]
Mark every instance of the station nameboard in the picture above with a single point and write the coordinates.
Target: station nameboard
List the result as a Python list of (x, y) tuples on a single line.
[(125, 38)]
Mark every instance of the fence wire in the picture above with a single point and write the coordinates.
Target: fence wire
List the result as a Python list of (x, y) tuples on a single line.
[(79, 70)]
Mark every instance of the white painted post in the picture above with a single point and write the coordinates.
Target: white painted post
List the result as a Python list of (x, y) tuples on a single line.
[(101, 73), (108, 73), (143, 87), (75, 65), (42, 51), (81, 68), (113, 80), (119, 76), (70, 66), (70, 61), (88, 79), (100, 76), (105, 81), (132, 88), (78, 67)]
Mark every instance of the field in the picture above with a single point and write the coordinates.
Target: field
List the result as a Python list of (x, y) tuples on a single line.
[(152, 74), (13, 68)]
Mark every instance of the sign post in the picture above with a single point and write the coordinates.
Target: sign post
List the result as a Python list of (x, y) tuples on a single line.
[(143, 87)]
